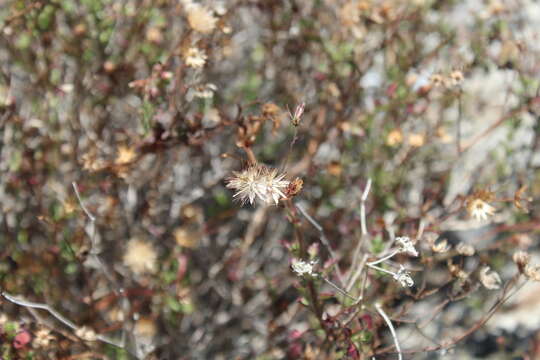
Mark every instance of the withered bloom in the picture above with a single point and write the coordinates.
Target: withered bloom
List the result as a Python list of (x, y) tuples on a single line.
[(258, 181)]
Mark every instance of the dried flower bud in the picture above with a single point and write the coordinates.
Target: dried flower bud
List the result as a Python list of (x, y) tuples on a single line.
[(522, 259), (86, 333), (441, 247), (490, 279), (533, 272), (465, 249), (394, 137), (294, 187), (298, 112)]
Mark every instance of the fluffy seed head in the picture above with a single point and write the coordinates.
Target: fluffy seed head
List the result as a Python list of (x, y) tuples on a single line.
[(140, 257), (258, 182), (201, 19)]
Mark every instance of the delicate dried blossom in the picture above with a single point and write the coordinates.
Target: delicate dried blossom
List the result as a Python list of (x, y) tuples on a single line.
[(125, 155), (477, 204), (522, 259), (303, 268), (140, 257), (521, 202), (298, 112), (533, 272), (294, 187), (394, 137), (195, 58), (258, 182), (205, 91), (86, 333), (440, 247), (201, 19), (42, 338), (417, 140), (455, 78), (405, 245), (436, 79), (465, 249), (479, 209), (403, 277), (490, 279)]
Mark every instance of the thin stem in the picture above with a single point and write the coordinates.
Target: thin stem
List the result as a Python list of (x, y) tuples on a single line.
[(251, 156), (323, 238), (381, 312), (57, 315), (341, 291), (381, 269), (314, 301), (363, 207), (88, 213), (383, 258)]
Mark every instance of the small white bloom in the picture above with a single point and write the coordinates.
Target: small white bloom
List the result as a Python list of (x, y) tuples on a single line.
[(465, 249), (195, 58), (480, 210), (259, 182), (532, 272), (205, 91), (86, 333), (302, 268), (490, 280), (405, 245), (403, 277)]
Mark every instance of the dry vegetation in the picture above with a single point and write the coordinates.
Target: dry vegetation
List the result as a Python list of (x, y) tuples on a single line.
[(384, 156)]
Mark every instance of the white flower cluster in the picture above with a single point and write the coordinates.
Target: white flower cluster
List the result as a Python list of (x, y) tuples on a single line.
[(405, 245), (403, 277), (303, 268)]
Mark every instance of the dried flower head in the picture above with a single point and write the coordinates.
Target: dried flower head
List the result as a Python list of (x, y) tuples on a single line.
[(417, 140), (403, 277), (440, 247), (533, 272), (479, 209), (394, 137), (405, 245), (478, 204), (195, 57), (140, 257), (42, 338), (201, 19), (258, 181), (125, 155), (456, 78), (294, 187), (465, 249), (436, 79), (86, 333), (522, 259), (303, 268), (205, 91), (490, 279)]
